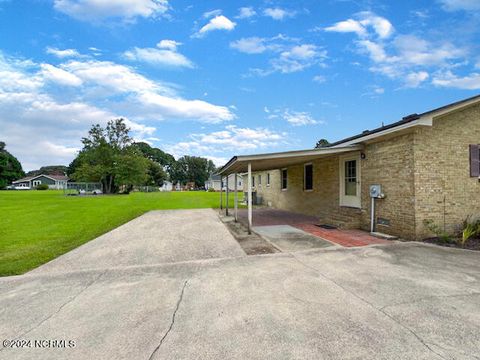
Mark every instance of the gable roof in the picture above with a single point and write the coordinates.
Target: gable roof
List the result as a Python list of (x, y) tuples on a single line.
[(412, 119), (25, 179), (53, 177)]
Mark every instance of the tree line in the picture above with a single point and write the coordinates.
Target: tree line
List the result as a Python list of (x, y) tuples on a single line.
[(10, 167), (111, 157)]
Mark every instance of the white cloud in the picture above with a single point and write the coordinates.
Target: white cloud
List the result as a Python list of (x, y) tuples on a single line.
[(298, 58), (219, 22), (418, 51), (362, 24), (375, 50), (246, 13), (448, 79), (382, 26), (290, 56), (278, 13), (95, 10), (251, 45), (414, 79), (113, 77), (407, 58), (53, 121), (231, 138), (165, 55), (348, 26), (320, 79), (60, 76), (213, 13), (191, 109), (454, 5), (168, 44), (62, 53), (300, 118)]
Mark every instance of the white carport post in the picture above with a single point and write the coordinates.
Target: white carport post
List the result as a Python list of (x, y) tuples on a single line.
[(221, 194), (249, 198), (235, 198), (226, 200)]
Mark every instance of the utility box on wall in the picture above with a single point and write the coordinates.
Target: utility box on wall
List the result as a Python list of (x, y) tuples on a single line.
[(376, 191)]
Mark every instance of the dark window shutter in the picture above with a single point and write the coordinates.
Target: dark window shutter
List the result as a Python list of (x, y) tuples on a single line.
[(474, 160)]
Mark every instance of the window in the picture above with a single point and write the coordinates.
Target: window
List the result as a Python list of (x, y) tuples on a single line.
[(253, 181), (308, 177), (36, 182), (259, 179), (284, 179), (268, 179), (474, 160)]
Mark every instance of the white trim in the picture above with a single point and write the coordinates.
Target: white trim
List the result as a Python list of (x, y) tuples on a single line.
[(46, 177), (345, 200), (289, 154)]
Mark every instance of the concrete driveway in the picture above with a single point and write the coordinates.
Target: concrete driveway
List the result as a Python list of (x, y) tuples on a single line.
[(399, 301), (154, 238)]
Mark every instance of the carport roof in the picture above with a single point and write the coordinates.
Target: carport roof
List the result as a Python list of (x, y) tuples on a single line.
[(270, 161)]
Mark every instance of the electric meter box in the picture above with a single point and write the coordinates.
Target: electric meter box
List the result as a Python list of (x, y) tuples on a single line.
[(375, 191)]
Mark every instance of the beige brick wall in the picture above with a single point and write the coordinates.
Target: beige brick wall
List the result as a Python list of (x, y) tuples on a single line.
[(322, 201), (424, 174), (390, 164), (444, 190)]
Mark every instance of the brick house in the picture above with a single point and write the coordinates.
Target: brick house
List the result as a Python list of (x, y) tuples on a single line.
[(426, 164)]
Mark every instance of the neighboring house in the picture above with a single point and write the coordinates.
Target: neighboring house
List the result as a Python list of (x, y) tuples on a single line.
[(53, 181), (214, 182), (167, 186), (217, 183), (427, 165)]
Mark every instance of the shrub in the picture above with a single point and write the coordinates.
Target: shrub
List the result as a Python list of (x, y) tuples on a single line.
[(471, 228), (434, 228), (211, 189), (41, 187)]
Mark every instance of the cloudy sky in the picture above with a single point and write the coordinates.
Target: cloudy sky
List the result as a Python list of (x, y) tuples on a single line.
[(219, 78)]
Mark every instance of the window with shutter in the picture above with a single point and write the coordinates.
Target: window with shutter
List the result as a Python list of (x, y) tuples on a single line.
[(474, 160)]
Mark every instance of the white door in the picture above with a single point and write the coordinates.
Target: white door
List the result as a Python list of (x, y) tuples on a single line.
[(350, 181)]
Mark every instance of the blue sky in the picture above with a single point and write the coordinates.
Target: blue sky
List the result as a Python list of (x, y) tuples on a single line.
[(220, 78)]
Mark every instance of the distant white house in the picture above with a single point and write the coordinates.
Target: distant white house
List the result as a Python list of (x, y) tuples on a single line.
[(216, 183), (167, 186), (57, 182)]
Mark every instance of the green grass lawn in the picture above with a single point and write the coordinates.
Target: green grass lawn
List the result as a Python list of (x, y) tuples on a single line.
[(38, 226)]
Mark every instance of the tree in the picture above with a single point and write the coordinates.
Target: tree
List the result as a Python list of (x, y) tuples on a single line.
[(156, 155), (192, 169), (49, 170), (322, 143), (109, 157), (10, 167), (156, 174)]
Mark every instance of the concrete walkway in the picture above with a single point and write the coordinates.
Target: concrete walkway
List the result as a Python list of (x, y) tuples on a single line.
[(401, 301)]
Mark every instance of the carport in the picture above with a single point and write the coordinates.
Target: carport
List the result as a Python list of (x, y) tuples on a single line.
[(271, 161)]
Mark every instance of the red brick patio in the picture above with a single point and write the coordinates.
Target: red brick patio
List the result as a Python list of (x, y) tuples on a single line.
[(346, 238)]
